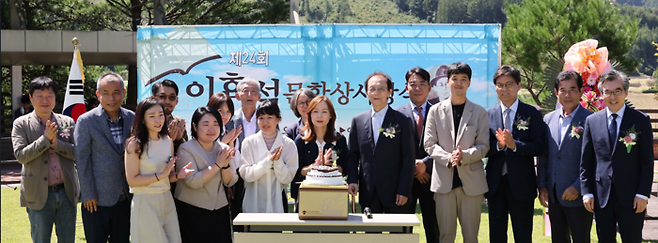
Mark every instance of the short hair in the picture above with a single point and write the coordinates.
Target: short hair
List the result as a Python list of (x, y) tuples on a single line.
[(418, 71), (389, 82), (568, 75), (246, 81), (118, 78), (218, 99), (507, 70), (166, 83), (268, 107), (459, 68), (200, 112), (614, 75), (293, 103), (25, 99), (41, 83)]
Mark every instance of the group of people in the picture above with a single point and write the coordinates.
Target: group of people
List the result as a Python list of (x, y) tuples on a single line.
[(140, 177)]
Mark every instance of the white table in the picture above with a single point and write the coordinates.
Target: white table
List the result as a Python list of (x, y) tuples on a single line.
[(279, 227)]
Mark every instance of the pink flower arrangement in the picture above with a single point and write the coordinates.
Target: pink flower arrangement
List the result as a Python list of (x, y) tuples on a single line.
[(590, 62), (576, 131)]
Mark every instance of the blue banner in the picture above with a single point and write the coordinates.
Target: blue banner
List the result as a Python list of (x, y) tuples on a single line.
[(331, 60)]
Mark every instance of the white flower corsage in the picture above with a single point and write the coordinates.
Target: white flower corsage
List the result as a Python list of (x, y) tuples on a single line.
[(65, 131), (390, 131), (522, 124), (576, 131)]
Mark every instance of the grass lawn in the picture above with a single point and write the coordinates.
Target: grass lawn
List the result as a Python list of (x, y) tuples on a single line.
[(16, 226)]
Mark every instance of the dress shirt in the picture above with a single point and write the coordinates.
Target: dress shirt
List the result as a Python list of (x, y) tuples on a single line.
[(565, 121), (55, 174), (424, 108), (377, 120), (249, 127), (620, 114), (512, 114)]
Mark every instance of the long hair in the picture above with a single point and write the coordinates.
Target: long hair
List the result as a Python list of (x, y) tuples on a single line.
[(330, 135), (140, 134)]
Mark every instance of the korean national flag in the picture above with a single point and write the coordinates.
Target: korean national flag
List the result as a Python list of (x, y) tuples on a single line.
[(74, 100)]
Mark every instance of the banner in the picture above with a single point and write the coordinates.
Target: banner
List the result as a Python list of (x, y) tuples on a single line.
[(331, 60), (74, 99)]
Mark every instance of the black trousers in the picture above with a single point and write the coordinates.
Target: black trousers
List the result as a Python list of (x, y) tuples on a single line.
[(425, 198), (569, 223), (376, 206), (108, 223), (203, 225), (520, 212), (613, 214)]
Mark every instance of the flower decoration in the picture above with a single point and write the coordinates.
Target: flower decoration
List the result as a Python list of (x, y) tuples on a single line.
[(629, 139), (390, 131), (334, 157), (576, 131), (522, 124), (591, 101), (590, 62), (65, 131)]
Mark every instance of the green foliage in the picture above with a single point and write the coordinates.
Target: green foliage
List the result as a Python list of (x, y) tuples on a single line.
[(422, 9), (472, 11), (81, 15), (642, 49), (539, 32), (651, 3), (353, 11)]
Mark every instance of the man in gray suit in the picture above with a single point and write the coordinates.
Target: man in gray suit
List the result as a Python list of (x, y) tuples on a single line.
[(100, 136), (49, 183), (248, 93), (559, 168)]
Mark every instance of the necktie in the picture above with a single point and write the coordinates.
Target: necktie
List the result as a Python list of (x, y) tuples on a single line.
[(419, 121), (508, 126), (612, 131)]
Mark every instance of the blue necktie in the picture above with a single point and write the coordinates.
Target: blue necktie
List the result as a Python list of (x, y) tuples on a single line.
[(612, 131)]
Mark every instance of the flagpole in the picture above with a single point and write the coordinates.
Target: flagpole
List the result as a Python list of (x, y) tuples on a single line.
[(74, 101)]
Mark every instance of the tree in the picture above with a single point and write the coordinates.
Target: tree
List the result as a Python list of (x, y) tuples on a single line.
[(642, 49), (538, 33)]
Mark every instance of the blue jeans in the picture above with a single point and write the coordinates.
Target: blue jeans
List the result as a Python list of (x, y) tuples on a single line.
[(58, 210)]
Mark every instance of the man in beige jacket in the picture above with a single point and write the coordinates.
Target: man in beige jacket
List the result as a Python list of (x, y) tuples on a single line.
[(43, 143), (457, 138)]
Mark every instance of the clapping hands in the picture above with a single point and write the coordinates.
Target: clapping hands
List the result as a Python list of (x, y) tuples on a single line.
[(456, 158), (276, 155)]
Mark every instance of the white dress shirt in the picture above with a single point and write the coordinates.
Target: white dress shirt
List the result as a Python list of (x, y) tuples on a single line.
[(512, 114), (249, 127), (377, 120)]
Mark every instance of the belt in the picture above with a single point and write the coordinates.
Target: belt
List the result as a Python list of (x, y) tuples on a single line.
[(56, 187)]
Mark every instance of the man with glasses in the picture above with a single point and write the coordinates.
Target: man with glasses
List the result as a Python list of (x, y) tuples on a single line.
[(617, 163), (516, 137), (558, 169), (382, 153), (167, 92)]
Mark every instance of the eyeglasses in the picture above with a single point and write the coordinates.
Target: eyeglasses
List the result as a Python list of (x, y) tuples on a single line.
[(506, 85), (373, 89), (164, 97), (616, 92), (304, 103), (253, 91)]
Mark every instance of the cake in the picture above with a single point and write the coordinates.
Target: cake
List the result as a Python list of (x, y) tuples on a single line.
[(324, 176)]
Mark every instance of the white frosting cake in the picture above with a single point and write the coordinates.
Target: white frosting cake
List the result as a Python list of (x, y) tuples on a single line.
[(323, 177)]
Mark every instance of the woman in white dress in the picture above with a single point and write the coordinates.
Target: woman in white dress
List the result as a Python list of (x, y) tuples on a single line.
[(149, 169), (269, 163)]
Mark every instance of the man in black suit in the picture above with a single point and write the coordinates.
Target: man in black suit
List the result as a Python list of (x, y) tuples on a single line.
[(381, 149), (418, 88), (617, 163), (26, 106), (516, 137)]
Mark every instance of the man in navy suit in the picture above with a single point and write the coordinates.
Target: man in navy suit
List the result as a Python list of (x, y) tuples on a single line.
[(516, 137), (418, 88), (559, 168), (382, 153), (617, 163)]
